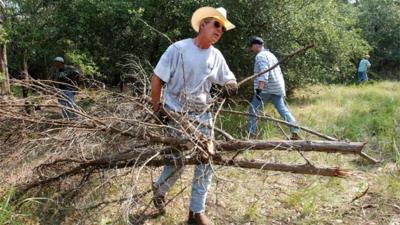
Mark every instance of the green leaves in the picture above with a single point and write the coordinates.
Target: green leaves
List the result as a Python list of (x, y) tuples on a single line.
[(97, 34), (286, 26), (380, 24)]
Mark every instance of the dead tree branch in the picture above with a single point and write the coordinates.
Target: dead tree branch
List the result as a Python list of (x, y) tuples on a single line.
[(316, 146), (308, 130)]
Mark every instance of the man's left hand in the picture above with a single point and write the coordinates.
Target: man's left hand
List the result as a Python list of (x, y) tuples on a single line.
[(258, 94), (231, 88)]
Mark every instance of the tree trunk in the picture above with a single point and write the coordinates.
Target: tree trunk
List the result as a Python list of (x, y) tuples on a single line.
[(25, 77), (25, 63), (5, 81)]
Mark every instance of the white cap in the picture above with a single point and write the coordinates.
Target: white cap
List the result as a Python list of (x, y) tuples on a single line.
[(59, 59)]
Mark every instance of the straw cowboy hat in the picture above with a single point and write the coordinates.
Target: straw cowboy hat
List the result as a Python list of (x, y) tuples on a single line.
[(210, 12)]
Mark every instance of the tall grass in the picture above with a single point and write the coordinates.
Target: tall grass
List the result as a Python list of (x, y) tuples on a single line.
[(359, 113), (368, 112)]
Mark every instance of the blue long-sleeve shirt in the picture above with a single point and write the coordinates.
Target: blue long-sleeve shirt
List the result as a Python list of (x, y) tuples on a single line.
[(274, 82)]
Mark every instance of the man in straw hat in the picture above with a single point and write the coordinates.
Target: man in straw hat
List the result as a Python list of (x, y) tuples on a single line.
[(186, 71)]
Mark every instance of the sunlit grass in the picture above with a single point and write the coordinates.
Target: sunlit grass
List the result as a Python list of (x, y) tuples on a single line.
[(368, 112)]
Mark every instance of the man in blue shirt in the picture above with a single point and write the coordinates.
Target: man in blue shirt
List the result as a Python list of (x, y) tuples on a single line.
[(268, 87), (362, 69)]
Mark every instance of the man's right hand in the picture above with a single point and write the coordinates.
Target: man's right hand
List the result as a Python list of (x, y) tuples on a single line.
[(258, 94), (158, 112)]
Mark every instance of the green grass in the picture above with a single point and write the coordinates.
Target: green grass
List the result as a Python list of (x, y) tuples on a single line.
[(307, 199), (359, 113), (368, 112), (86, 103), (390, 184), (355, 113), (16, 91), (7, 210), (15, 211)]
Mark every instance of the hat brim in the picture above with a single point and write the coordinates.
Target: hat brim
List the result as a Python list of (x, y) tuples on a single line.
[(209, 12)]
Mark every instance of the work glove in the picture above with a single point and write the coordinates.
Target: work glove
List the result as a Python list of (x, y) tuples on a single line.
[(162, 117), (231, 88), (258, 94)]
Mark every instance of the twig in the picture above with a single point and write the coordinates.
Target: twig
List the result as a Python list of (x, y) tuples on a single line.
[(369, 158), (361, 195)]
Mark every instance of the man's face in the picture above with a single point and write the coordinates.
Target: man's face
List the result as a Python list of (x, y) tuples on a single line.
[(255, 48), (58, 65), (212, 29)]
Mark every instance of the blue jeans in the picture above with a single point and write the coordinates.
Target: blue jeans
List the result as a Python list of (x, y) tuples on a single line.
[(202, 174), (257, 106), (67, 100), (362, 76)]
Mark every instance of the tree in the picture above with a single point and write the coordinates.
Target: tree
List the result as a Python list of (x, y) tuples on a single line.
[(30, 35), (380, 24), (4, 76), (286, 26), (97, 35)]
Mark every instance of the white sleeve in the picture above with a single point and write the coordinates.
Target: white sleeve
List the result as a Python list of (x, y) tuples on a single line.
[(166, 65), (224, 74)]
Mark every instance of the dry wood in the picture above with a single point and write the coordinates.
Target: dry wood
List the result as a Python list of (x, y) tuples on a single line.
[(281, 145), (369, 158), (154, 149), (317, 146), (204, 144), (308, 130), (138, 159), (360, 195), (302, 169)]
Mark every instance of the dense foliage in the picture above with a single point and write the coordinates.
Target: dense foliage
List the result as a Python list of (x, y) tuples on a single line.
[(101, 36), (380, 22)]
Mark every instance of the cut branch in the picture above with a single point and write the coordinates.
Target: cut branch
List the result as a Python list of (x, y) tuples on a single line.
[(135, 159), (316, 146), (301, 169), (308, 130)]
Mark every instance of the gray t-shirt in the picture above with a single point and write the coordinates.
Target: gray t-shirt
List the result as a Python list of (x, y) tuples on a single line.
[(188, 73)]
